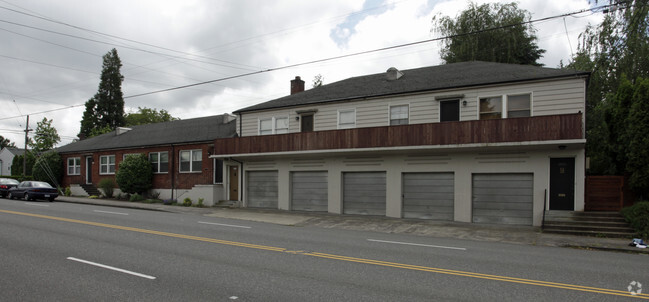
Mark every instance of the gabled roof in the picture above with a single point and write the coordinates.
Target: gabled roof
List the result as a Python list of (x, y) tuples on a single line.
[(15, 151), (197, 130), (449, 76)]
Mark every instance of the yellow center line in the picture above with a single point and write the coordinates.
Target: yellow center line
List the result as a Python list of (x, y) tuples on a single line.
[(346, 258)]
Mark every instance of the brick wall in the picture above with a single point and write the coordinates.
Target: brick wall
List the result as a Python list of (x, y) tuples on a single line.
[(182, 180)]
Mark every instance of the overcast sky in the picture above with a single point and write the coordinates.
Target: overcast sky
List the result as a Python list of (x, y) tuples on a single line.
[(51, 51)]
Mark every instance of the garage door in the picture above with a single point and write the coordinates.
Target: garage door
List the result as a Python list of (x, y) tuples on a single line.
[(364, 193), (262, 189), (309, 191), (428, 195), (503, 198)]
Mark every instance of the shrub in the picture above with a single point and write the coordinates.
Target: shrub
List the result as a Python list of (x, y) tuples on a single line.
[(93, 196), (187, 202), (155, 195), (49, 168), (200, 202), (638, 216), (67, 192), (135, 174), (108, 186), (136, 197)]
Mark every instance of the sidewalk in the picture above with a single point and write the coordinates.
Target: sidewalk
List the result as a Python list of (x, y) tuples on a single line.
[(468, 231)]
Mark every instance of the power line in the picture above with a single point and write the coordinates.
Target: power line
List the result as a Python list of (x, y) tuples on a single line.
[(347, 55)]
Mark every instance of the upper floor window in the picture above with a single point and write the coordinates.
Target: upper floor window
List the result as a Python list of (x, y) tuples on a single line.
[(107, 164), (518, 105), (74, 166), (513, 105), (399, 115), (346, 118), (191, 160), (159, 161), (273, 125)]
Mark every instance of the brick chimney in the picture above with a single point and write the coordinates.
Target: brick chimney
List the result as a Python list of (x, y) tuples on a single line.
[(297, 85)]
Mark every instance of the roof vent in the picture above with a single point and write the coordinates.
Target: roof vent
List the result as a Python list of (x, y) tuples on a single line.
[(393, 74), (122, 130)]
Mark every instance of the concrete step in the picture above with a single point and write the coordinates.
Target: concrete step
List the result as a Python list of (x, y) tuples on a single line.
[(590, 233), (594, 223), (605, 224), (91, 190), (594, 228)]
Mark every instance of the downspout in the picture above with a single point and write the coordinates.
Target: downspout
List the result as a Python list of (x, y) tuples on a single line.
[(173, 170)]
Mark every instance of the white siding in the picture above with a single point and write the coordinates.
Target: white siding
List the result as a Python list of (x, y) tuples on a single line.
[(548, 98)]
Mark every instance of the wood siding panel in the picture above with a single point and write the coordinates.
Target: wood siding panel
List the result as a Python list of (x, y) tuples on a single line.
[(540, 128)]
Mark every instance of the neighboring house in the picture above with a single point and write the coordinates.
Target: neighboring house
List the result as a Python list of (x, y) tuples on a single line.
[(178, 151), (471, 142), (7, 155)]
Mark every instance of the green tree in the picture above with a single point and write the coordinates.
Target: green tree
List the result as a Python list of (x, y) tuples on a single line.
[(17, 164), (135, 174), (49, 168), (46, 136), (148, 116), (106, 108), (638, 147), (493, 32), (5, 142), (616, 49), (318, 80)]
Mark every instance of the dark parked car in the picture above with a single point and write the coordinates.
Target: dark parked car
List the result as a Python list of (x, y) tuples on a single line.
[(31, 190), (6, 184)]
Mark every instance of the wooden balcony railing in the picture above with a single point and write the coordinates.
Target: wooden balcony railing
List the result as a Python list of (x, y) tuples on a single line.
[(539, 128)]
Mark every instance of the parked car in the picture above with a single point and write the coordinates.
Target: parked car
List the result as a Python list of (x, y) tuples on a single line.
[(32, 190), (6, 184)]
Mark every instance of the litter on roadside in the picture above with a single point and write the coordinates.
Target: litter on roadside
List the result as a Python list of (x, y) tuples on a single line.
[(637, 242)]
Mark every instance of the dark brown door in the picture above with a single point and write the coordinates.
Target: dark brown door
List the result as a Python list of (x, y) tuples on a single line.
[(562, 184), (88, 169), (234, 182), (306, 124), (449, 111)]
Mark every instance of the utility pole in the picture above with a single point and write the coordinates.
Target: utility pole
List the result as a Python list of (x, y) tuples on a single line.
[(25, 154)]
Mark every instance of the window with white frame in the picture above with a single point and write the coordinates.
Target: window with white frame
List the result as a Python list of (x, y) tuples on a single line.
[(518, 105), (107, 164), (191, 160), (346, 118), (159, 161), (273, 125), (399, 115), (507, 106), (74, 166)]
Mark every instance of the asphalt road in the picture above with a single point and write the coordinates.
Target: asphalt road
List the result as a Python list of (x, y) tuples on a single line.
[(73, 252)]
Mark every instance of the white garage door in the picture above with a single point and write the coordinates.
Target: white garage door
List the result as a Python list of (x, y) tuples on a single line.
[(364, 193), (503, 198), (428, 195), (309, 191), (262, 189)]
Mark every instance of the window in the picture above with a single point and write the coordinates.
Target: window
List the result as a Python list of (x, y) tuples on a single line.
[(306, 123), (218, 171), (273, 125), (107, 164), (74, 166), (346, 119), (491, 108), (399, 115), (159, 161), (518, 105), (281, 125), (191, 160), (449, 111)]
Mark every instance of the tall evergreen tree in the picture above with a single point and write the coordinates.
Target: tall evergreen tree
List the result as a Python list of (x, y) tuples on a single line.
[(106, 108), (493, 32)]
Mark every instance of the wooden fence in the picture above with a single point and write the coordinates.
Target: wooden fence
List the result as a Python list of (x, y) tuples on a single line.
[(607, 193)]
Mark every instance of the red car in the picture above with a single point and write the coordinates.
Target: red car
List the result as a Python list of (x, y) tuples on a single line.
[(32, 190), (6, 184)]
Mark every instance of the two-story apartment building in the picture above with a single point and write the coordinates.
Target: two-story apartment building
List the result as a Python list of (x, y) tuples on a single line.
[(178, 151), (471, 142)]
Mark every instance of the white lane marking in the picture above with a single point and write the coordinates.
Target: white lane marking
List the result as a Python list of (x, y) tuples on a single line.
[(107, 212), (227, 225), (417, 244), (37, 204), (112, 268)]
